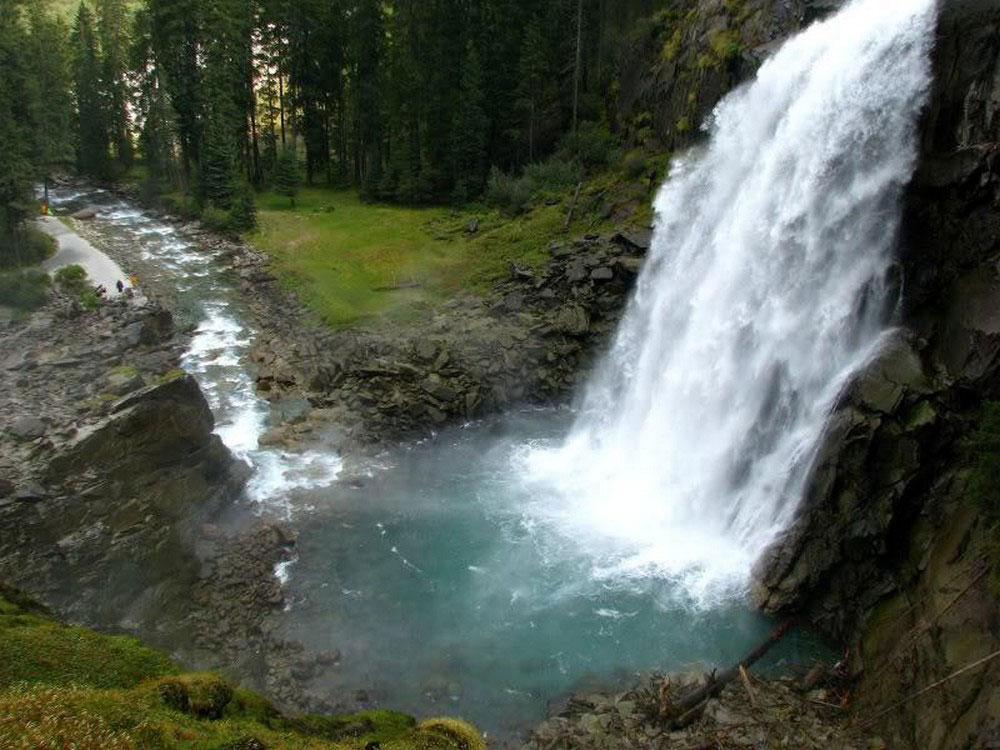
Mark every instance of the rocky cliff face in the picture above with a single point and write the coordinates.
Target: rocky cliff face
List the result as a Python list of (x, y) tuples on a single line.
[(684, 59), (888, 553), (108, 461)]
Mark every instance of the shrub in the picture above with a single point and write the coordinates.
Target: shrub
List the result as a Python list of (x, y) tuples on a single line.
[(24, 291), (510, 194), (553, 174), (591, 144), (25, 247), (635, 164), (984, 448)]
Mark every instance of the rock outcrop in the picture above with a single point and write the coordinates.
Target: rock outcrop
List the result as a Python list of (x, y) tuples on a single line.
[(888, 554), (109, 462), (531, 339), (684, 59)]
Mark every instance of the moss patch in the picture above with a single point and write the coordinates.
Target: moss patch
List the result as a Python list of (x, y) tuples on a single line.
[(63, 686)]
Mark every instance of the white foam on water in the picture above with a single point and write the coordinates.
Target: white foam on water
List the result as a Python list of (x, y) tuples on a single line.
[(217, 357), (765, 289)]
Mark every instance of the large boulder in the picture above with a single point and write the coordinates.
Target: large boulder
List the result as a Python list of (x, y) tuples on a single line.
[(123, 500)]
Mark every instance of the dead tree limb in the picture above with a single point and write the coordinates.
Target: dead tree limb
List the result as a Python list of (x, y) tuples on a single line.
[(572, 206), (716, 683)]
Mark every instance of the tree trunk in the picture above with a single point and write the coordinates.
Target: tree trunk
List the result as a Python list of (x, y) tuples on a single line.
[(576, 68)]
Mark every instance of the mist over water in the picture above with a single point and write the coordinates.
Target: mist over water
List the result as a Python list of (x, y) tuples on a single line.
[(768, 283)]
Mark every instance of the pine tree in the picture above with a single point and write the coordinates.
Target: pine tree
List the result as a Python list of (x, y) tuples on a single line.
[(92, 144), (176, 36), (226, 106), (112, 30), (286, 175), (533, 70), (52, 118), (154, 116), (469, 139), (15, 136)]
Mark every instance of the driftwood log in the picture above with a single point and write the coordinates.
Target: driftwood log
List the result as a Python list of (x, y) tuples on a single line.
[(683, 711)]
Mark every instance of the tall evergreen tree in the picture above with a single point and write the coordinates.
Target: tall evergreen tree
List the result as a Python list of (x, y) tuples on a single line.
[(286, 175), (112, 28), (15, 136), (176, 35), (155, 118), (52, 118), (92, 142), (469, 139), (533, 70), (369, 33), (225, 81)]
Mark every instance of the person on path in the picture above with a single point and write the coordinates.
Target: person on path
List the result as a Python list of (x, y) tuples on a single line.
[(120, 286)]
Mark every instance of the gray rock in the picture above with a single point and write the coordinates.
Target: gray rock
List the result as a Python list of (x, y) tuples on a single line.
[(576, 272), (28, 428), (31, 493), (85, 214), (572, 320), (602, 273), (119, 384)]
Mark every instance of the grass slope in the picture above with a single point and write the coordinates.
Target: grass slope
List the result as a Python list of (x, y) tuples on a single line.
[(356, 262), (63, 686)]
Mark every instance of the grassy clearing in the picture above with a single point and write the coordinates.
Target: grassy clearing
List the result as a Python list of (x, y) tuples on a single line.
[(355, 262), (64, 686)]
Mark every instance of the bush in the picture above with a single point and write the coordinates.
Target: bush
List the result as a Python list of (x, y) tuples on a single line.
[(73, 281), (24, 291), (26, 247), (510, 194), (591, 144), (635, 165), (553, 175)]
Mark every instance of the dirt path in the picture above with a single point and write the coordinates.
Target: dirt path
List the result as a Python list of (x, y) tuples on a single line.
[(101, 269)]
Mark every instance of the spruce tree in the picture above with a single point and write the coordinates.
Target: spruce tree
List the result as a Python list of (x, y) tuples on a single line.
[(15, 136), (469, 138), (286, 175), (112, 30), (92, 143), (533, 70), (52, 118), (176, 33)]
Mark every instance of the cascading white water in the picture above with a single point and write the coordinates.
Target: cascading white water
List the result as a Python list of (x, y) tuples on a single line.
[(766, 287)]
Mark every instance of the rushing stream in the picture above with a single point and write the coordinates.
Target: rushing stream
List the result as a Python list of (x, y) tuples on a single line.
[(505, 563)]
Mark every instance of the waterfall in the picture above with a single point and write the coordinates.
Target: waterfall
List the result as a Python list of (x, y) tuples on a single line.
[(768, 284)]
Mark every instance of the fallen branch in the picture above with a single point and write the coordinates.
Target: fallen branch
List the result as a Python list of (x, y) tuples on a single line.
[(683, 709), (572, 206), (746, 684)]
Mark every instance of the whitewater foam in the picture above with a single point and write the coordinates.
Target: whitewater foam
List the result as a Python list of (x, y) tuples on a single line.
[(766, 287)]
